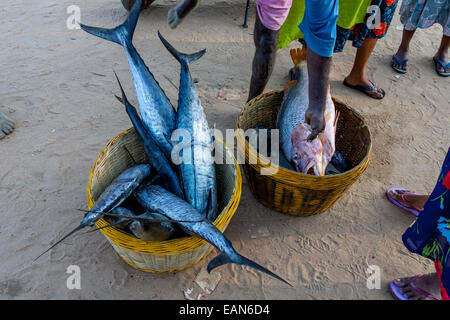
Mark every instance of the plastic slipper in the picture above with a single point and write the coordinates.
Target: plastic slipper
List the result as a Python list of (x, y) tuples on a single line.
[(401, 63), (410, 208), (398, 295), (366, 89), (444, 66)]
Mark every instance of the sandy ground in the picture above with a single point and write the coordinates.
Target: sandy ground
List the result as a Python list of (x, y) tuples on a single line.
[(58, 85)]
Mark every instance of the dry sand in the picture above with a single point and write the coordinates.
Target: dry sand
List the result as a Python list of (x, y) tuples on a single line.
[(58, 85)]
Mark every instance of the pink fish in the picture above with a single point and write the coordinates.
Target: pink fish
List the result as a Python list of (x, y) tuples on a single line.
[(310, 157)]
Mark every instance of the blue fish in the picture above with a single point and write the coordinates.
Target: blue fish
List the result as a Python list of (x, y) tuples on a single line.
[(158, 114), (198, 176), (113, 196), (156, 199)]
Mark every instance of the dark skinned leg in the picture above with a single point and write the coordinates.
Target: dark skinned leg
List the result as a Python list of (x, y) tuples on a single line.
[(358, 74), (127, 4), (264, 60), (180, 11), (318, 77), (402, 52)]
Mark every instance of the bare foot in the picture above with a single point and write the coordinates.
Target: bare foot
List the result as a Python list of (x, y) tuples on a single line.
[(427, 282), (410, 200), (6, 125)]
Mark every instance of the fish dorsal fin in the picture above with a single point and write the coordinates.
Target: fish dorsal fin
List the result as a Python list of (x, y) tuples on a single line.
[(298, 55)]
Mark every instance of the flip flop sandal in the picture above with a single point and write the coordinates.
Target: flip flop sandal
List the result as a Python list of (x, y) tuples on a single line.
[(398, 295), (443, 65), (410, 207), (400, 63), (366, 89)]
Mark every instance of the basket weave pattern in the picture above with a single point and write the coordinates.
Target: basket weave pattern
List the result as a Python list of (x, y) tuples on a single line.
[(165, 256), (292, 192)]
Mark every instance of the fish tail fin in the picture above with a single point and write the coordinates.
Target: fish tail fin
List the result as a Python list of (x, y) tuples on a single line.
[(225, 258), (125, 30), (181, 57), (298, 55)]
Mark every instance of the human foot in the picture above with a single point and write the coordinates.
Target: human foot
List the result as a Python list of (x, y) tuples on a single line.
[(441, 65), (420, 287), (6, 125), (407, 200), (400, 60), (364, 85)]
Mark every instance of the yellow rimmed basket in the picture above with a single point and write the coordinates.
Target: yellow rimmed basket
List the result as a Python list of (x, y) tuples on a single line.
[(171, 255), (292, 192)]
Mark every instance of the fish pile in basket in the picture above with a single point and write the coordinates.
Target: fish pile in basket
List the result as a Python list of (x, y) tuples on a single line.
[(160, 200), (316, 156)]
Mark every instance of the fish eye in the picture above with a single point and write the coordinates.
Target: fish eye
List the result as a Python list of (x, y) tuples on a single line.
[(295, 156)]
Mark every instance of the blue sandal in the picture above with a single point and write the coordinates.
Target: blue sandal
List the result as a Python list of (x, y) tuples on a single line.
[(400, 63), (442, 74)]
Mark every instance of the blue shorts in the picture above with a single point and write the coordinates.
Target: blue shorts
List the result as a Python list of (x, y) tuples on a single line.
[(319, 26)]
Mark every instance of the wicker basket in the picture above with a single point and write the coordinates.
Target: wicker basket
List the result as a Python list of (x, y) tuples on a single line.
[(165, 256), (292, 192)]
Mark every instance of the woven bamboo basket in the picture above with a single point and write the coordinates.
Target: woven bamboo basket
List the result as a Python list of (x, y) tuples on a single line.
[(165, 256), (292, 192)]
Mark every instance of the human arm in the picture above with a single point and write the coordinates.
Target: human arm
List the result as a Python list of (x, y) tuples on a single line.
[(319, 29)]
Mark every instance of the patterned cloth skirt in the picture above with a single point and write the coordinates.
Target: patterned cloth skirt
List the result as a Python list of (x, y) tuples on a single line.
[(424, 13)]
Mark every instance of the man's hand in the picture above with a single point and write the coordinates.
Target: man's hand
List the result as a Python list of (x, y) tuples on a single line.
[(315, 118)]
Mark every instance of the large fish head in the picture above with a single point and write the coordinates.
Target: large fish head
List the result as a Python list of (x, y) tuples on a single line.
[(306, 155)]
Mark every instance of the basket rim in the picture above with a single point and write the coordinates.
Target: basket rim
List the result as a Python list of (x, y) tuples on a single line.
[(298, 176), (173, 246)]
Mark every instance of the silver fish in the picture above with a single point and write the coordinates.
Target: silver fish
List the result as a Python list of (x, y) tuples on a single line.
[(199, 175), (157, 113), (113, 196), (156, 199)]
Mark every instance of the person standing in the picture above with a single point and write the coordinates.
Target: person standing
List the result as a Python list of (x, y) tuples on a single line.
[(423, 14), (428, 236), (319, 27), (363, 22)]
